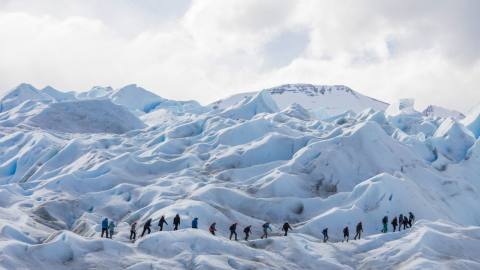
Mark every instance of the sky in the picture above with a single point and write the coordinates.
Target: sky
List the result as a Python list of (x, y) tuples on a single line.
[(206, 50)]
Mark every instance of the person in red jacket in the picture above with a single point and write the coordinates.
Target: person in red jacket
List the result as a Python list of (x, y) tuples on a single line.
[(212, 228)]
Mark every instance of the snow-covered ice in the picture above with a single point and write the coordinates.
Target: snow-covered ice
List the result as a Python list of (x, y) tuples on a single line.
[(315, 156)]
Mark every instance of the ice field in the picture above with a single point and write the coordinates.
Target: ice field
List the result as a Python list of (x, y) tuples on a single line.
[(315, 156)]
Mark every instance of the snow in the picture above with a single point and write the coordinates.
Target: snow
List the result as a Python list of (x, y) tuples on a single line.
[(69, 160)]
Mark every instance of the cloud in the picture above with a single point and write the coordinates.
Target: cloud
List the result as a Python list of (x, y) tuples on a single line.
[(209, 49)]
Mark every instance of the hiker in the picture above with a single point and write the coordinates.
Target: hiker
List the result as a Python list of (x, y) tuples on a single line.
[(161, 222), (400, 222), (233, 231), (133, 231), (325, 235), (247, 231), (411, 219), (111, 228), (176, 222), (394, 223), (385, 222), (286, 227), (346, 234), (195, 223), (104, 227), (146, 227), (405, 222), (212, 228), (265, 227), (359, 231)]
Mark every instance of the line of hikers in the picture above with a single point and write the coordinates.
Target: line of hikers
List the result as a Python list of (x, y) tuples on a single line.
[(108, 227), (407, 222), (402, 220)]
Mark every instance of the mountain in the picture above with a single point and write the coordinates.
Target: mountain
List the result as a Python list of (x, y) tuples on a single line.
[(65, 165), (321, 100), (437, 111)]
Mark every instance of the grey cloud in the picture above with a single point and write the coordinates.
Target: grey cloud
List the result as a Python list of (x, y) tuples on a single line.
[(283, 48)]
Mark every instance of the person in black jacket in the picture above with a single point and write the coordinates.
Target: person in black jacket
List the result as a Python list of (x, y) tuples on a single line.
[(394, 223), (176, 222), (346, 234), (161, 222), (233, 231), (146, 227), (385, 224), (247, 231), (286, 227), (133, 231), (325, 235), (359, 231), (400, 222), (411, 219), (405, 222)]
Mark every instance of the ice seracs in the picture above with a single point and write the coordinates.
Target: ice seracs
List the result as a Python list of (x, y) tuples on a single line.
[(452, 140), (472, 121)]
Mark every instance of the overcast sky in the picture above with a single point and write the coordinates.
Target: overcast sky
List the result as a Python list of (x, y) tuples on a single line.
[(205, 50)]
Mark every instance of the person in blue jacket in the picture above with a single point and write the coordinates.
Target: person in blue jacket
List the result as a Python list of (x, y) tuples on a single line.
[(104, 227), (195, 223), (266, 227)]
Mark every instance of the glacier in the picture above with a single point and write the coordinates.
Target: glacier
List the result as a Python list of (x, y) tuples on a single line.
[(315, 156)]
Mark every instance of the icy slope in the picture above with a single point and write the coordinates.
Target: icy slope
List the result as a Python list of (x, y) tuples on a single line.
[(142, 101), (321, 100), (66, 165), (88, 116)]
